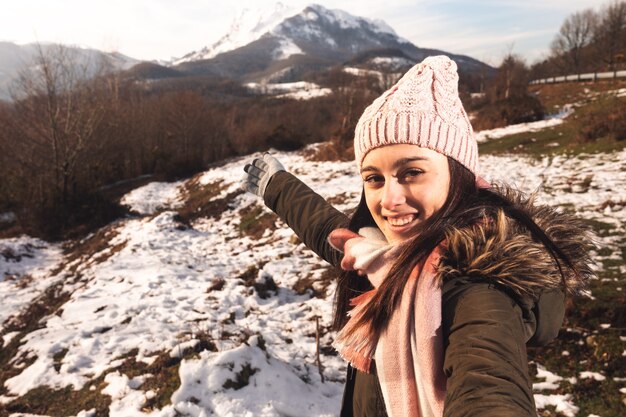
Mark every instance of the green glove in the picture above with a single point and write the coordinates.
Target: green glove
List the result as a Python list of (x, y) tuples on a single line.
[(259, 173)]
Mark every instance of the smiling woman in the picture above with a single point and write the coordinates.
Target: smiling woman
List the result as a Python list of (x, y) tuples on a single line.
[(402, 192), (446, 279)]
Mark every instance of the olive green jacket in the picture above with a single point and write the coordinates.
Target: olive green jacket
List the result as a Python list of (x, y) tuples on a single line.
[(501, 292)]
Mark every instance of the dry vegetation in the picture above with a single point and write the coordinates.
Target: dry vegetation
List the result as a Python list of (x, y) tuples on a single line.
[(66, 139)]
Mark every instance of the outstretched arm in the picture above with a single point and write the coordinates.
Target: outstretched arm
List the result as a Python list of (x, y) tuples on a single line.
[(307, 213)]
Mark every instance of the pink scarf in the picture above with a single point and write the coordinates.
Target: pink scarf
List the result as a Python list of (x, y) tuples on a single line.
[(409, 352)]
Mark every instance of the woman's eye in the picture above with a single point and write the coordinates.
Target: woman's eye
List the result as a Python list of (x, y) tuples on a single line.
[(411, 173), (372, 179)]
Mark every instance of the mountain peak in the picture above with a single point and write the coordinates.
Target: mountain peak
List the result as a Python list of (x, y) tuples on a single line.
[(347, 20), (251, 24), (247, 26)]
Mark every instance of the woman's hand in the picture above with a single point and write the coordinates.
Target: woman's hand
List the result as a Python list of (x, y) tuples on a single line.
[(365, 255), (259, 173)]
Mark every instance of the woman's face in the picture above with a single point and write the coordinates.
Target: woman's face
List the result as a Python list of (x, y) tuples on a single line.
[(404, 185)]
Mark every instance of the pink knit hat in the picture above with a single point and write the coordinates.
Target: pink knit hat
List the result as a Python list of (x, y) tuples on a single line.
[(423, 109)]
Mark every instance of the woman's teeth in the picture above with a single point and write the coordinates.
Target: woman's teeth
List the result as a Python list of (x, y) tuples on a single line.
[(400, 221)]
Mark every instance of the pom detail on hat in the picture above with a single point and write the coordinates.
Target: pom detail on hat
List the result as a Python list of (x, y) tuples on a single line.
[(423, 108)]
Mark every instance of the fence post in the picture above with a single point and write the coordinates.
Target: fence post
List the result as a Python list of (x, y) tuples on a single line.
[(317, 343)]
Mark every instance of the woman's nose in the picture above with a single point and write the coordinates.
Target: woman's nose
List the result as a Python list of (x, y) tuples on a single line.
[(393, 194)]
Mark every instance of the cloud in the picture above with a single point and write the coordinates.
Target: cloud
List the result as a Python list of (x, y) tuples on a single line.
[(151, 29)]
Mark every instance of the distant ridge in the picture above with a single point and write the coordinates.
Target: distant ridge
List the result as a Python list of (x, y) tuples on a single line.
[(281, 45)]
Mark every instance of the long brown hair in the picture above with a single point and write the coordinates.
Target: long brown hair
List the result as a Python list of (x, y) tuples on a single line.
[(466, 205)]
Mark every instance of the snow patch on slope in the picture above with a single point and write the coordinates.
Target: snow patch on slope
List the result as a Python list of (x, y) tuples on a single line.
[(347, 21), (25, 272), (555, 120), (300, 90), (285, 49), (154, 197)]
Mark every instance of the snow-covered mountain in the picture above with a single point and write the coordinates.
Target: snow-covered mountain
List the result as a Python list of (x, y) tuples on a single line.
[(282, 43), (15, 58), (284, 22)]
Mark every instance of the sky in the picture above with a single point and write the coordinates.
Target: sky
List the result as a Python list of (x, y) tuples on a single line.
[(164, 29)]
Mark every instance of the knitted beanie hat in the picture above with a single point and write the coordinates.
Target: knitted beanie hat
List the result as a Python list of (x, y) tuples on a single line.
[(423, 109)]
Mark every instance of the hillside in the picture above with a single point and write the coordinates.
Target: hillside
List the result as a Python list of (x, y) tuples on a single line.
[(202, 302)]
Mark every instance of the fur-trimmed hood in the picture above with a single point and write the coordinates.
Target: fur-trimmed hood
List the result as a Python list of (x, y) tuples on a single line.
[(503, 251)]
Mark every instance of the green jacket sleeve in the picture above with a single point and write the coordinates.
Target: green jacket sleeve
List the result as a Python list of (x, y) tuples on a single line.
[(485, 352), (307, 213)]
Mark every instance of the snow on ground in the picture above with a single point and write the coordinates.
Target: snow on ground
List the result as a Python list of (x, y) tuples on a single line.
[(161, 290), (285, 49), (25, 268), (562, 403), (554, 120), (383, 77), (593, 186), (154, 197), (394, 63), (300, 90), (593, 375), (551, 380)]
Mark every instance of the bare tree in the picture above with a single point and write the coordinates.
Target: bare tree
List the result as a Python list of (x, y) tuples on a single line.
[(54, 132), (185, 127), (610, 36), (59, 105), (511, 79), (575, 34)]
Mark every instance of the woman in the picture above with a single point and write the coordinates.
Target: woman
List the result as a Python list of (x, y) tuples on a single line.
[(448, 279)]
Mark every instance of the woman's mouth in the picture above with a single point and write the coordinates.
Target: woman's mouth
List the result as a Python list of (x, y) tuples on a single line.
[(399, 221)]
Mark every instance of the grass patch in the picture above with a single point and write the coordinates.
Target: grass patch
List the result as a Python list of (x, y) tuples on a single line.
[(62, 402), (165, 379), (555, 96), (604, 117), (85, 249), (7, 354), (163, 383), (263, 284), (599, 227), (316, 285), (591, 347), (216, 285), (255, 220), (242, 378), (58, 358), (200, 201), (334, 149), (338, 199), (596, 126), (557, 140)]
